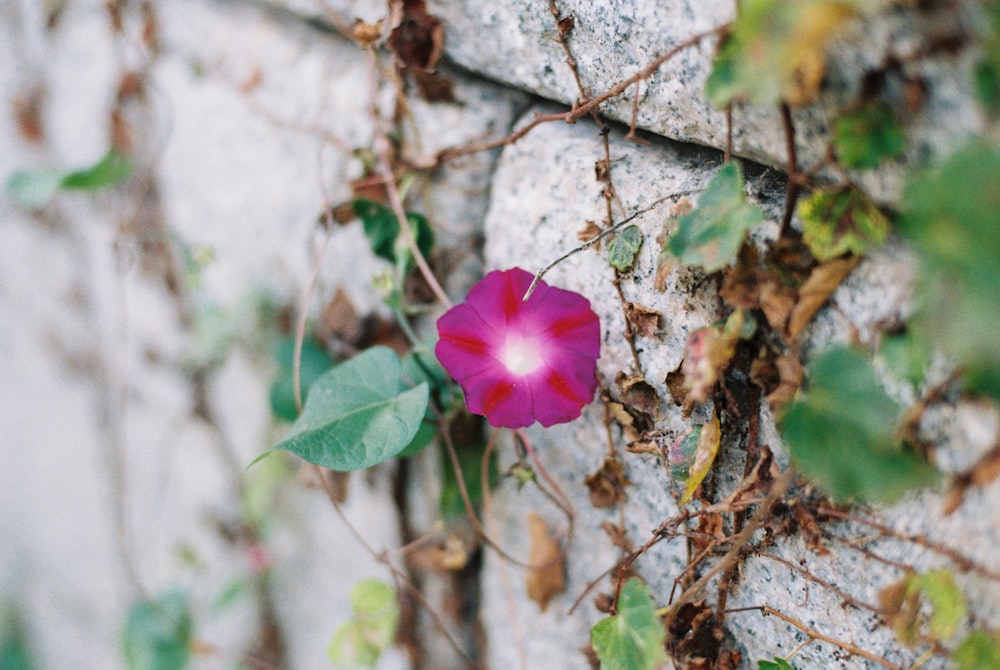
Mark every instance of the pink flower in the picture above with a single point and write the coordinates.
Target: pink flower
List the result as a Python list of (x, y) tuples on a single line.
[(521, 361)]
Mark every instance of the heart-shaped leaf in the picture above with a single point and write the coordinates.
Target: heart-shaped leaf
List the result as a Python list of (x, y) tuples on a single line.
[(358, 414), (634, 638)]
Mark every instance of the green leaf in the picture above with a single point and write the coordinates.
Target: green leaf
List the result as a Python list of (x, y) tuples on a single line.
[(777, 664), (840, 434), (711, 235), (14, 651), (948, 607), (950, 218), (158, 633), (360, 641), (34, 189), (722, 85), (622, 250), (313, 363), (680, 453), (110, 170), (776, 51), (382, 229), (704, 457), (835, 222), (358, 414), (865, 136), (978, 650), (906, 356), (634, 638)]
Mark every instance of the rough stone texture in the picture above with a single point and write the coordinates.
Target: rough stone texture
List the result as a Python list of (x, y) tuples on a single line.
[(544, 190), (101, 415), (515, 43)]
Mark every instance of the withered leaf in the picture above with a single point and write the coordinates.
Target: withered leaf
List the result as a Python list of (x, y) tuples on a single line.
[(589, 231), (606, 485), (741, 282), (625, 420), (676, 386), (340, 321), (547, 577), (638, 394), (704, 457), (709, 351), (645, 322), (789, 380), (366, 34), (417, 38), (777, 302), (565, 25), (434, 87), (823, 281)]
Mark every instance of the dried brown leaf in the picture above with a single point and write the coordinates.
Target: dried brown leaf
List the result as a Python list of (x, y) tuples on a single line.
[(366, 34), (823, 280), (548, 576), (340, 321), (606, 485), (639, 395), (417, 38), (645, 322), (789, 380), (589, 231), (709, 351), (676, 386), (434, 87), (625, 420), (777, 302)]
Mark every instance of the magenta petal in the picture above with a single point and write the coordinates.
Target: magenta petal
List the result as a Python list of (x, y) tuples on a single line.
[(521, 361), (465, 343)]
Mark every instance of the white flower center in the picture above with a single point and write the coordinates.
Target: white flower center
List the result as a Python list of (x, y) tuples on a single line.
[(520, 355)]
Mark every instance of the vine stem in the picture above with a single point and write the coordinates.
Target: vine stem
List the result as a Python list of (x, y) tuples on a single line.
[(781, 486), (385, 166), (398, 576), (563, 501), (815, 634), (597, 238), (578, 111)]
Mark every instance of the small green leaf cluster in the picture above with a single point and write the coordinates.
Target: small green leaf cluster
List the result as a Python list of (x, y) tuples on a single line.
[(34, 189), (841, 433), (361, 641), (634, 638), (711, 236), (157, 633), (949, 216)]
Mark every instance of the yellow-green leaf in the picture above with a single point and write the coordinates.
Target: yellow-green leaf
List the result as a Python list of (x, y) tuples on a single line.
[(704, 457)]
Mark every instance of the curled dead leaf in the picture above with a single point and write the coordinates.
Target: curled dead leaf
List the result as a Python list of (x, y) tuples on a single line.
[(638, 394), (606, 485), (366, 34), (417, 37), (645, 322), (589, 231), (823, 280), (547, 576)]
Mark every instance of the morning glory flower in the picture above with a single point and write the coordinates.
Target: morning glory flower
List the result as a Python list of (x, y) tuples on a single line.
[(521, 361)]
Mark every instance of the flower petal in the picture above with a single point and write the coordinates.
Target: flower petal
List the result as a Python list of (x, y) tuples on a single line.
[(466, 343), (521, 361)]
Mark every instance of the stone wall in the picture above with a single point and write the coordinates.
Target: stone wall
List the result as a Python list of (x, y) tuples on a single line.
[(135, 323)]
